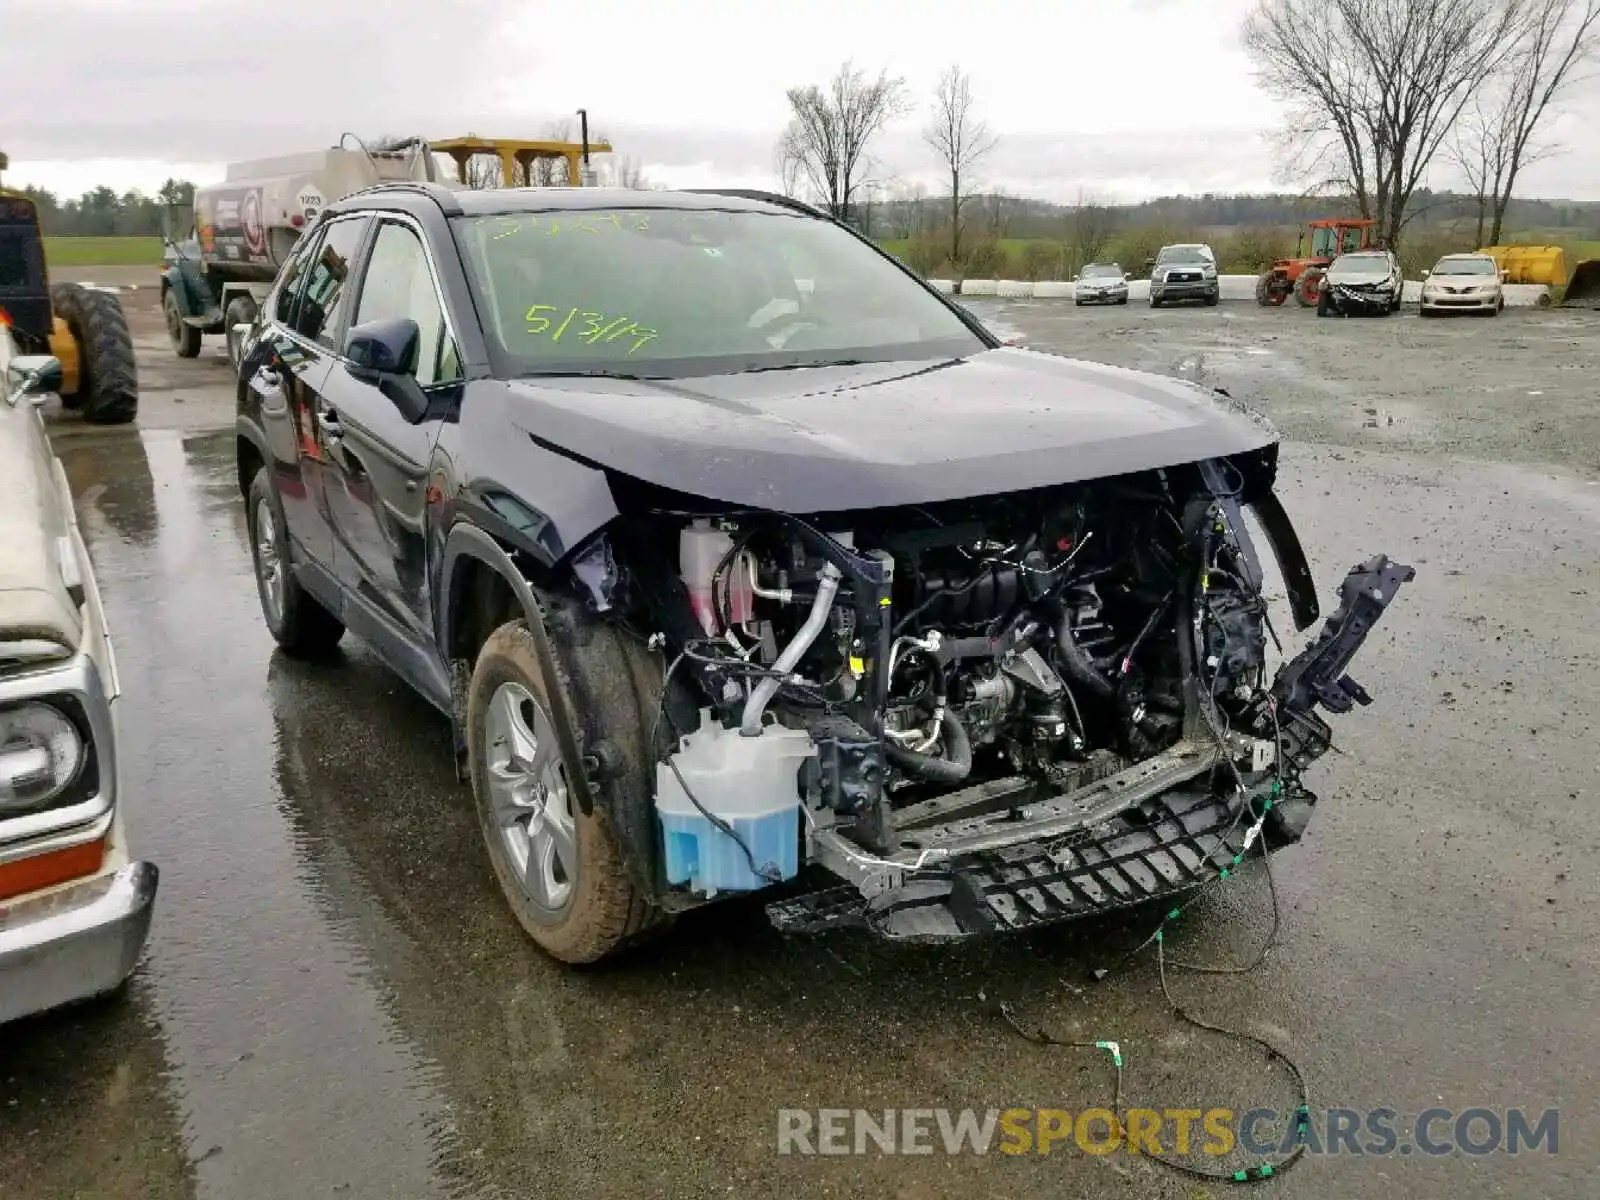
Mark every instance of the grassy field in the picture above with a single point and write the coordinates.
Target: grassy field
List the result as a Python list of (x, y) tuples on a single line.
[(102, 251)]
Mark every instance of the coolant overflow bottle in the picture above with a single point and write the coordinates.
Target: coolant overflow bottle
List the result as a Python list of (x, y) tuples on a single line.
[(701, 547)]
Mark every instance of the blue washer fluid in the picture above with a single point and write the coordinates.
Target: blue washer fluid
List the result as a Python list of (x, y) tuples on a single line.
[(752, 784)]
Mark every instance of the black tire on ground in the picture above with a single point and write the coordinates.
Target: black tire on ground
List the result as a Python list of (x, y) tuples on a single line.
[(1154, 301), (241, 310), (296, 619), (108, 380), (1076, 302), (1425, 311), (1211, 301), (185, 338), (1308, 288), (1324, 305), (1124, 300), (604, 908)]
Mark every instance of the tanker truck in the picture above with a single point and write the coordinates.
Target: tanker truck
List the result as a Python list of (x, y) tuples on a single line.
[(243, 229)]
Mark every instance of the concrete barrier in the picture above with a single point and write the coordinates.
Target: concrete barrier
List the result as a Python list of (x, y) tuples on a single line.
[(1233, 287)]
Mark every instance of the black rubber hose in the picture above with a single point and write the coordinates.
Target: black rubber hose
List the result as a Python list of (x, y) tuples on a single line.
[(956, 764), (1077, 665)]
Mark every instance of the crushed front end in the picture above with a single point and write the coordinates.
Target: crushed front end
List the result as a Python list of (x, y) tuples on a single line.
[(994, 713)]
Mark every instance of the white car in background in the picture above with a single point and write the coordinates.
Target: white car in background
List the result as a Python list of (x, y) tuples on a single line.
[(1463, 283), (1101, 283)]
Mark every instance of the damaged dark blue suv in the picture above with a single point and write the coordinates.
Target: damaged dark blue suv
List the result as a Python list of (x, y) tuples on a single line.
[(740, 559)]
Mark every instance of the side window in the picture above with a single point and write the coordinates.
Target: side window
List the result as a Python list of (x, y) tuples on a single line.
[(399, 284), (293, 281), (322, 308)]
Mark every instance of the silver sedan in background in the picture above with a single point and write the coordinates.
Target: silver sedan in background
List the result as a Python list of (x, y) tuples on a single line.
[(1101, 283), (1463, 283)]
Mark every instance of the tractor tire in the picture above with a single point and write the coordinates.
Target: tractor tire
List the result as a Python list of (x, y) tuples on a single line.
[(185, 338), (1308, 289), (241, 310), (108, 379)]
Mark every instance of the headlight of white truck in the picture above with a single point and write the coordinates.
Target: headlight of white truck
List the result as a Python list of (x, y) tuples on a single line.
[(41, 755)]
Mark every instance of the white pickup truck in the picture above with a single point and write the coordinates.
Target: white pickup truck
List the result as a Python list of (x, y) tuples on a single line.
[(75, 908)]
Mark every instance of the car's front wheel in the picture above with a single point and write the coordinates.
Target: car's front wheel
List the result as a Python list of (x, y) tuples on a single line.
[(561, 871), (296, 620)]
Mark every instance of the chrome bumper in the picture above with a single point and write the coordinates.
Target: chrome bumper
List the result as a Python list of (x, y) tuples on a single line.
[(75, 943)]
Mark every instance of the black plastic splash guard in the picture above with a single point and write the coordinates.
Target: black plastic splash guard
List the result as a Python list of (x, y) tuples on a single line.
[(1163, 846)]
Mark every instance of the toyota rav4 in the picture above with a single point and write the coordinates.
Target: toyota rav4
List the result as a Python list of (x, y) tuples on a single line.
[(739, 559)]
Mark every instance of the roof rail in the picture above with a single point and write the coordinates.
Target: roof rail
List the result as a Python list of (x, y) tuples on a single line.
[(437, 192), (777, 198)]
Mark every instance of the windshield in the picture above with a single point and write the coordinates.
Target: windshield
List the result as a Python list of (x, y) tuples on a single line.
[(1366, 261), (681, 292), (1464, 266), (1182, 254), (1095, 271)]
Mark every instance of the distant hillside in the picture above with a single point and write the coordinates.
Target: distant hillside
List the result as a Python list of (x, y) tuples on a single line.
[(1020, 217)]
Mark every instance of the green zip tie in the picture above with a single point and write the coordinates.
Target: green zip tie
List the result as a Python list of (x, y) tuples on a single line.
[(1223, 874), (1241, 1176), (1267, 806), (1266, 1170), (1174, 914), (1158, 935), (1114, 1048), (1237, 859)]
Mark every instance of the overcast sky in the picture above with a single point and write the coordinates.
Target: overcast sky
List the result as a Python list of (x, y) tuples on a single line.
[(1118, 100)]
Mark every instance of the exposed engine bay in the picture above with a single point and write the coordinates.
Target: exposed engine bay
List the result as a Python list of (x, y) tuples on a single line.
[(890, 692)]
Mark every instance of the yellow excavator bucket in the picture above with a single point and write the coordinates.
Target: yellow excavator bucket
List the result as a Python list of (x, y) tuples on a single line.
[(1583, 289), (1530, 264)]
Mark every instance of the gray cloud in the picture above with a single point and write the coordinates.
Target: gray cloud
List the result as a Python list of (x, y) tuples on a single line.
[(181, 81)]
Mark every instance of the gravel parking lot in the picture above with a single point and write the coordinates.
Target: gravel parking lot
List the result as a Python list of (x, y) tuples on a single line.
[(336, 1002)]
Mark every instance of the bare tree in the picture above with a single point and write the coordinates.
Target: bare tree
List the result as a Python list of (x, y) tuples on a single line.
[(960, 140), (623, 171), (1499, 136), (823, 149), (1089, 230), (1375, 87)]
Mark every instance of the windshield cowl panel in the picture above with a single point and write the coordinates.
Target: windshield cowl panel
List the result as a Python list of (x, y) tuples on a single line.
[(676, 293)]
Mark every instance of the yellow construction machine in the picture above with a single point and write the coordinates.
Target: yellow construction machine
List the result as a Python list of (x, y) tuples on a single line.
[(83, 327)]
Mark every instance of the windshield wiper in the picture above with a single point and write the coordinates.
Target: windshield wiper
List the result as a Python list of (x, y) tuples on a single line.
[(584, 373), (805, 366)]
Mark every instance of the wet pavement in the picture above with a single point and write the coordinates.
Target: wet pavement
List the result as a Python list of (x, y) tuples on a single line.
[(336, 1003)]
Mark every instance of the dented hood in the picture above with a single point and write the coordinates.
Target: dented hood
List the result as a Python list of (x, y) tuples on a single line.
[(820, 439)]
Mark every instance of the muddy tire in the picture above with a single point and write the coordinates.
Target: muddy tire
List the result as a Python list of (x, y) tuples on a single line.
[(185, 338), (562, 872), (298, 622), (108, 381), (1308, 288)]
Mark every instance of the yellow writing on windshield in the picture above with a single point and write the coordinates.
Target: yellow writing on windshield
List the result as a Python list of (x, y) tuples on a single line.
[(585, 325), (550, 224)]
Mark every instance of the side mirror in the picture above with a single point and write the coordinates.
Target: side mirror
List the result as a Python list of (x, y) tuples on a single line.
[(1127, 277), (32, 375), (384, 354), (1425, 274)]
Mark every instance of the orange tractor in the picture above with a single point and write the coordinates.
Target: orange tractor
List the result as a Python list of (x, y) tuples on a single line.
[(1302, 276)]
